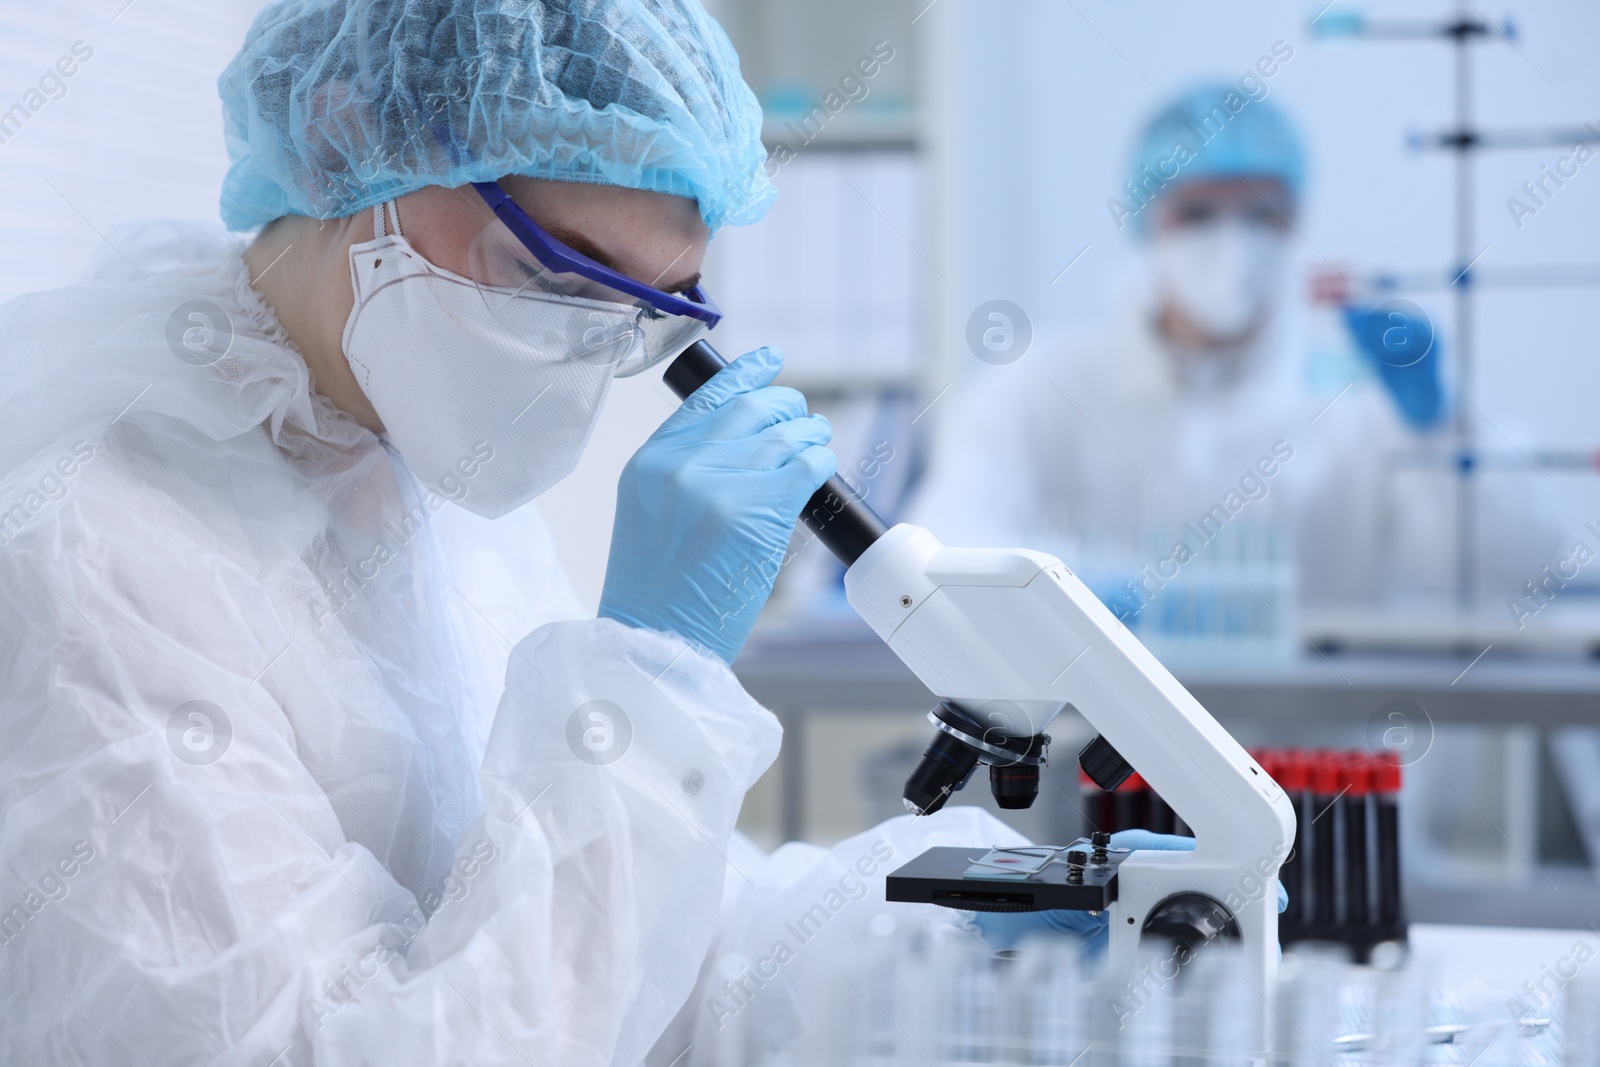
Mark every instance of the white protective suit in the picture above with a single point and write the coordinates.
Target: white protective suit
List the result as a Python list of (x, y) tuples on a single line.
[(1102, 451), (345, 854)]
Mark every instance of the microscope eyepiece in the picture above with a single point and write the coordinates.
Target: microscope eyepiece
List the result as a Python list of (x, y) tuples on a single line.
[(836, 513)]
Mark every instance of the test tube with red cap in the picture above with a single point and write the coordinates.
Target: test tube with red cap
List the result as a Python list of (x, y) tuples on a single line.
[(1356, 786), (1390, 911), (1324, 837)]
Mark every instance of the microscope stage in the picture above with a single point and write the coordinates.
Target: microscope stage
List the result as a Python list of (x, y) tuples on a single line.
[(940, 876)]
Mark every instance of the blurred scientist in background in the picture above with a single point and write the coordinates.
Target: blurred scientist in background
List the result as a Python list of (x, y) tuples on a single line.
[(1183, 461)]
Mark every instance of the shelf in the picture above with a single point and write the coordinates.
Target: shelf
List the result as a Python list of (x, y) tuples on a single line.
[(842, 665)]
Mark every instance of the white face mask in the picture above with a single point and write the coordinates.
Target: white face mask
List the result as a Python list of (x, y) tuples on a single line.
[(1223, 275), (489, 395)]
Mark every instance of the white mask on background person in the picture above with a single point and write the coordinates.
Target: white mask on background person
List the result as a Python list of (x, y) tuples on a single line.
[(488, 394), (1223, 274)]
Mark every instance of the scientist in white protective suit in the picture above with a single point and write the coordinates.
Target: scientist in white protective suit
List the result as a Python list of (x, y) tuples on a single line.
[(307, 752), (1195, 443)]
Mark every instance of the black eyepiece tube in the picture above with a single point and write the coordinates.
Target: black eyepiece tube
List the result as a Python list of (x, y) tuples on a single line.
[(840, 519)]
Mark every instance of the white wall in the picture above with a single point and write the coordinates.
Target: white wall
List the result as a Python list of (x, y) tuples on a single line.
[(138, 132)]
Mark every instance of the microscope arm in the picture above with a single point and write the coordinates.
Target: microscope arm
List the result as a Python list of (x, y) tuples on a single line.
[(1012, 638)]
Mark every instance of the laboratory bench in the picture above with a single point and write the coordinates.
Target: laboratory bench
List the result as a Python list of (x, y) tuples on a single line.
[(837, 666), (1497, 957)]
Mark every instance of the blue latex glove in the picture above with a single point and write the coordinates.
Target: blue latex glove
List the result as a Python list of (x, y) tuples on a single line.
[(706, 507), (1402, 346), (1002, 930)]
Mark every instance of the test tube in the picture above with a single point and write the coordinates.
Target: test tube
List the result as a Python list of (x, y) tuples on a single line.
[(1390, 911), (951, 1011), (1216, 1017), (1050, 1007), (1131, 1021), (1357, 785), (1325, 910), (1399, 1017), (1312, 980)]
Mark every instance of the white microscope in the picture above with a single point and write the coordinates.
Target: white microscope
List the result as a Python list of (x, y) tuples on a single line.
[(1009, 639)]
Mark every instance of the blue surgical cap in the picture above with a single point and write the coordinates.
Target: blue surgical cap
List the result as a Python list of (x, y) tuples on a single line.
[(1220, 130), (334, 106)]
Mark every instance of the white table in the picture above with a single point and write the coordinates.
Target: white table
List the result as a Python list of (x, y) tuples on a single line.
[(1496, 957)]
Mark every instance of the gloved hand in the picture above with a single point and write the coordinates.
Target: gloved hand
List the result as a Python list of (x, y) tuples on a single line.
[(1403, 348), (1002, 930), (706, 507)]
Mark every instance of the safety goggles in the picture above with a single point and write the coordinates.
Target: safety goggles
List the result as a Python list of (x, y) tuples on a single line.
[(514, 255)]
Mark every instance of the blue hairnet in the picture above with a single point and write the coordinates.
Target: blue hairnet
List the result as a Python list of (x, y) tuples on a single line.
[(333, 106), (1227, 132)]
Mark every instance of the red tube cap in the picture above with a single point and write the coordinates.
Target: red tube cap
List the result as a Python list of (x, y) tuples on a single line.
[(1385, 776), (1326, 774), (1357, 767), (1296, 773)]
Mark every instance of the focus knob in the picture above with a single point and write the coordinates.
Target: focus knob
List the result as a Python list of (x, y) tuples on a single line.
[(1190, 920), (1103, 764)]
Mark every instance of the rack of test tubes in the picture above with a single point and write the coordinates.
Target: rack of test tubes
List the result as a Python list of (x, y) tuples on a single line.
[(913, 995), (1343, 876)]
